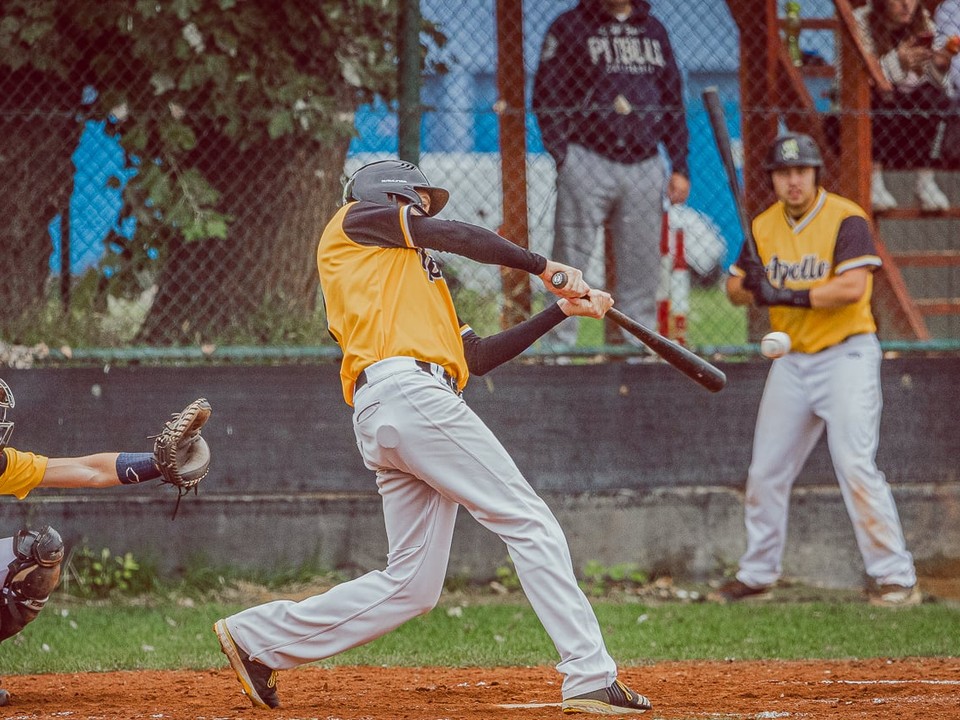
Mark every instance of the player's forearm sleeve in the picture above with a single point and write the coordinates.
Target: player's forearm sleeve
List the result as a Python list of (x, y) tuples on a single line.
[(484, 354), (474, 242)]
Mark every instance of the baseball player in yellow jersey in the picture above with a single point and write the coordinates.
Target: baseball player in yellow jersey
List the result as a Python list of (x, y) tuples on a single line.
[(815, 274), (406, 358), (30, 560)]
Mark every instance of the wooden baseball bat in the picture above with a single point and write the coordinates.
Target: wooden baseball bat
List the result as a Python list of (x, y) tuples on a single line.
[(690, 364), (718, 122)]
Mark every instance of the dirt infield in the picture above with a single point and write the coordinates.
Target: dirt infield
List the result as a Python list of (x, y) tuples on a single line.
[(927, 688)]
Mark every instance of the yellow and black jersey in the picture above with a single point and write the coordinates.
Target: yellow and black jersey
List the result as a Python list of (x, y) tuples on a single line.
[(833, 237), (385, 294), (20, 472)]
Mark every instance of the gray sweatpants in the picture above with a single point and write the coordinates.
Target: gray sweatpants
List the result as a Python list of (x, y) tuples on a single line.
[(592, 190)]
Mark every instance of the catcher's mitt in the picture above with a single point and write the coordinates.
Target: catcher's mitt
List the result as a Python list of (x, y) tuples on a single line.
[(182, 456)]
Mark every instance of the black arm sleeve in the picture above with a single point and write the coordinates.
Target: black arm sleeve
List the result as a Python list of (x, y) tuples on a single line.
[(676, 133), (484, 354), (474, 242)]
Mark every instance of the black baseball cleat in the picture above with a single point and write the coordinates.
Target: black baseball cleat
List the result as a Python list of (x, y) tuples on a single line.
[(617, 699), (4, 697), (259, 682)]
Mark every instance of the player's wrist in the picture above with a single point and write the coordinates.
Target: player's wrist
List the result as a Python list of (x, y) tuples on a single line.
[(798, 298)]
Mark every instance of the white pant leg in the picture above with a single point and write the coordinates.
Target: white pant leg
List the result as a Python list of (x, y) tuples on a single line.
[(851, 402), (6, 557), (444, 443), (785, 434), (419, 524)]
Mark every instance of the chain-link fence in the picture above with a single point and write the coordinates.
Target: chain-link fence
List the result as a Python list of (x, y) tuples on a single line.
[(170, 165)]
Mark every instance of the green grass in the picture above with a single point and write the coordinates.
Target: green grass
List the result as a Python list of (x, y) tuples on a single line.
[(74, 636)]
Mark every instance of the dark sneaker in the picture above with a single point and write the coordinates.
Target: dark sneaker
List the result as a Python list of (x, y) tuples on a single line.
[(894, 596), (736, 590), (617, 699), (258, 681), (4, 697)]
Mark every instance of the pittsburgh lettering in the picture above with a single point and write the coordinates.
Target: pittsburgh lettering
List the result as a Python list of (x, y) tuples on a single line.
[(626, 54)]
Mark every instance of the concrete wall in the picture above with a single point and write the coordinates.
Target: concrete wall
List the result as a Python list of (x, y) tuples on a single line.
[(639, 464)]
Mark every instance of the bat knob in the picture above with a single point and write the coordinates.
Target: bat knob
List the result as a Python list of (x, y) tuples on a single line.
[(559, 279)]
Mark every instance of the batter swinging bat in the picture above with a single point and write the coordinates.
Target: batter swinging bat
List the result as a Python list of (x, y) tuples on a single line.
[(718, 122), (691, 365)]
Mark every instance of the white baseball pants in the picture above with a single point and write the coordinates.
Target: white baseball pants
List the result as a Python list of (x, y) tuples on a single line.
[(837, 389), (431, 454)]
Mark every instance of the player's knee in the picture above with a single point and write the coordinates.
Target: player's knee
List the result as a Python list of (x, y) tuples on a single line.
[(422, 593), (31, 576)]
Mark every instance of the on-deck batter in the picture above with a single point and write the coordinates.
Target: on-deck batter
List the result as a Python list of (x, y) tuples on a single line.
[(818, 258), (406, 358)]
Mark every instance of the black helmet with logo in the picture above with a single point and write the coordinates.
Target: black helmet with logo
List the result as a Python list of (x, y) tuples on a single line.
[(793, 150), (384, 181)]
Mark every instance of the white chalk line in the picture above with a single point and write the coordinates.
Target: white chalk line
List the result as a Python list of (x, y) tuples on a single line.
[(886, 682)]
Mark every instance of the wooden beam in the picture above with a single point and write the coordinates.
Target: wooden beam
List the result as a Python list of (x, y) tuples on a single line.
[(928, 258), (511, 115), (759, 46), (939, 306)]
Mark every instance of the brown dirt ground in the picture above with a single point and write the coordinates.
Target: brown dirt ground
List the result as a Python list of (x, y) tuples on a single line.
[(927, 688)]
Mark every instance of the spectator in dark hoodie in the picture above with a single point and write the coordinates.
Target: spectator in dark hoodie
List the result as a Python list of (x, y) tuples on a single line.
[(607, 92)]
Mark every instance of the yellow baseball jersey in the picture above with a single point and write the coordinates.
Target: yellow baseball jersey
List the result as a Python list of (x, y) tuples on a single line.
[(384, 296), (833, 237), (23, 472)]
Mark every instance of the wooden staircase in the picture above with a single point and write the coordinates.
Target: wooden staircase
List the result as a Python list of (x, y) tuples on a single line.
[(917, 293)]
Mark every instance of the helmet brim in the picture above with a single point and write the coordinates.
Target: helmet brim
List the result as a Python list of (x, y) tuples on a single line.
[(438, 198)]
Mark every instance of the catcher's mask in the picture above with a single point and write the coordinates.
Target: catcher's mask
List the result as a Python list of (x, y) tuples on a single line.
[(384, 181), (794, 150), (6, 403)]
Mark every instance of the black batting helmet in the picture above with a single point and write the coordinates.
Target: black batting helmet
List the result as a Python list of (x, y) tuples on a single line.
[(793, 150), (382, 182)]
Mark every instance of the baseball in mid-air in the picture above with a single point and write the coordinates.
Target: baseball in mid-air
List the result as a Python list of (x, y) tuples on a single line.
[(774, 345)]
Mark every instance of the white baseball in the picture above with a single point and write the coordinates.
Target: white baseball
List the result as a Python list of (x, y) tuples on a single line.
[(775, 345)]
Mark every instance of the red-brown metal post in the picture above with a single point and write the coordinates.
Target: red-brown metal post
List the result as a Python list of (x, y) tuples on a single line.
[(511, 111)]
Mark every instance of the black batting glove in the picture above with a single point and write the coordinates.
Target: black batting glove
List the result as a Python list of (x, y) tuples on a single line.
[(753, 278), (766, 294)]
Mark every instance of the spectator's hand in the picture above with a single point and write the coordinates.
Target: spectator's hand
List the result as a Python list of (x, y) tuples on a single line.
[(594, 305), (678, 189), (914, 55), (942, 59)]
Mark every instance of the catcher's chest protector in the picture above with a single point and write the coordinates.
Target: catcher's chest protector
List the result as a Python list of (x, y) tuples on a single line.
[(31, 576)]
